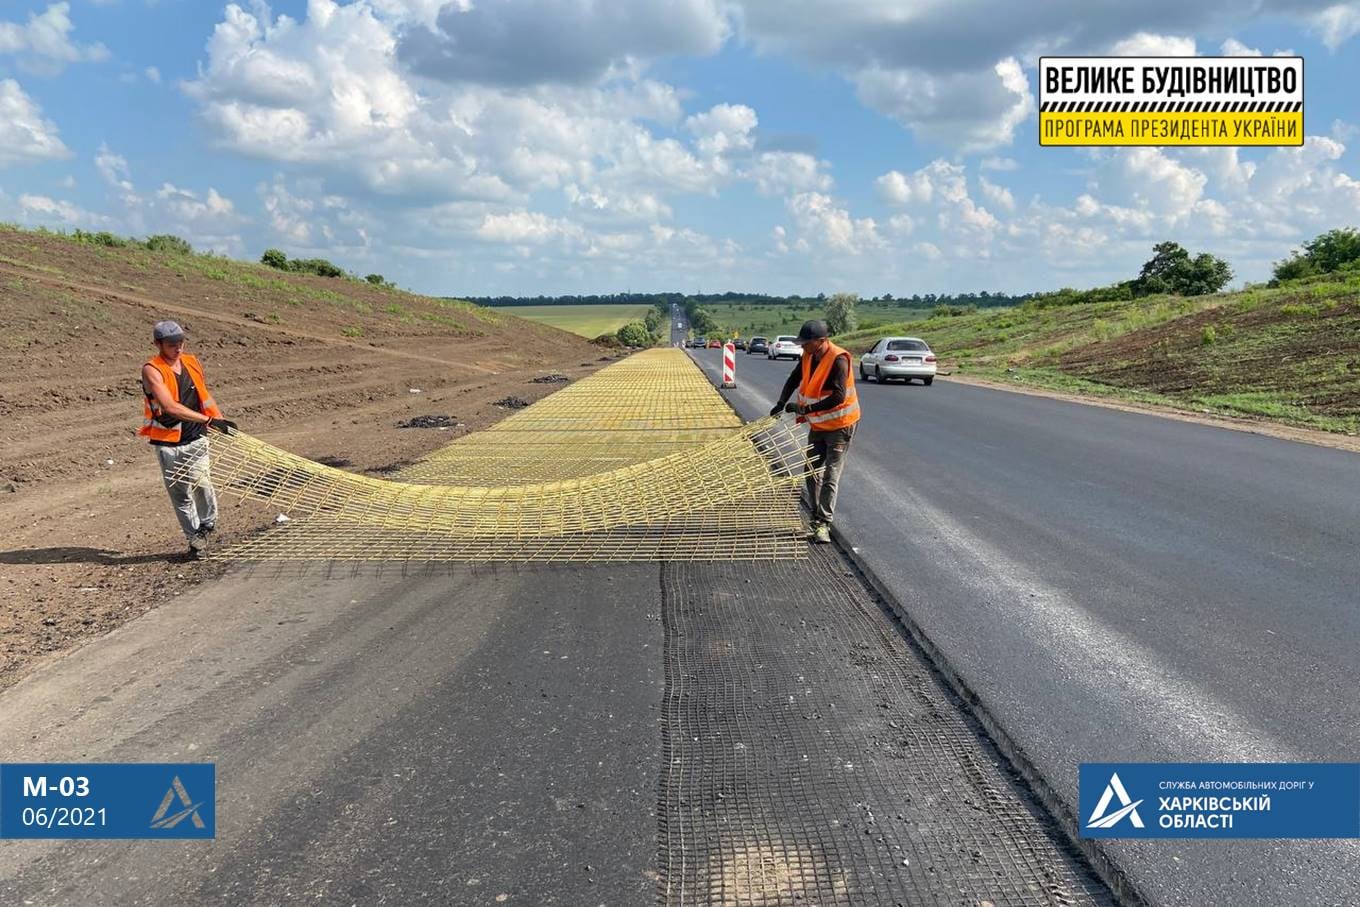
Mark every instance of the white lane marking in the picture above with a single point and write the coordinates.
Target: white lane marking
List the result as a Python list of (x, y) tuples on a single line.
[(1084, 650), (1190, 723), (1073, 639)]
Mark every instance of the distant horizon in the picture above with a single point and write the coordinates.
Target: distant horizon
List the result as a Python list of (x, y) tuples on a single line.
[(606, 300)]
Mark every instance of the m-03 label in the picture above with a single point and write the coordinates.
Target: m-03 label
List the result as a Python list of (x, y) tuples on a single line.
[(108, 800)]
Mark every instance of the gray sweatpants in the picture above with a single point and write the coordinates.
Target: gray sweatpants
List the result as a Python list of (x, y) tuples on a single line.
[(827, 452), (191, 493)]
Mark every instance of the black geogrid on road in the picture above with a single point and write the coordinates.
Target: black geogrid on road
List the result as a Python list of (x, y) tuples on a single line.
[(811, 757)]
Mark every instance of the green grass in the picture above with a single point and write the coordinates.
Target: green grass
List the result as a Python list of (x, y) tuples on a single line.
[(1288, 354), (585, 320), (32, 266)]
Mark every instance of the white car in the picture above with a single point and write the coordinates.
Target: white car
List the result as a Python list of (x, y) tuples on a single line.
[(899, 357), (784, 345)]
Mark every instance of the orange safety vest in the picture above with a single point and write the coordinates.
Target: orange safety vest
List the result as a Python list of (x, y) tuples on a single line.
[(154, 430), (810, 391)]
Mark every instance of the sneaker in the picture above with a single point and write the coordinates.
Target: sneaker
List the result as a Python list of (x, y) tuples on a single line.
[(822, 534), (207, 529), (198, 544)]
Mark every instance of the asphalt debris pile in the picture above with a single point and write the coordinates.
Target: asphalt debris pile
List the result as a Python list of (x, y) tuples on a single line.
[(432, 421), (512, 403), (550, 379)]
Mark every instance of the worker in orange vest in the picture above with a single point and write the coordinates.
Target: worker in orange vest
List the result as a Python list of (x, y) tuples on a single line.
[(177, 413), (828, 403)]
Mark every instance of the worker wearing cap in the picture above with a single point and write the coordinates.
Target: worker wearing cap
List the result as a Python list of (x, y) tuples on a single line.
[(827, 402), (177, 412)]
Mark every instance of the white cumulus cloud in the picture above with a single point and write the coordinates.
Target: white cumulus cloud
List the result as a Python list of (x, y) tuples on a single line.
[(973, 111), (1146, 44), (43, 43), (25, 135), (526, 42)]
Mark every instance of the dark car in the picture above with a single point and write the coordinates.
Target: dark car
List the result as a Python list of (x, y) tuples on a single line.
[(739, 343), (758, 345), (698, 343)]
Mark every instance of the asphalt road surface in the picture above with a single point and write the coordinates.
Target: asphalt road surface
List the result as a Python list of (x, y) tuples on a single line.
[(1122, 587), (578, 735), (464, 736)]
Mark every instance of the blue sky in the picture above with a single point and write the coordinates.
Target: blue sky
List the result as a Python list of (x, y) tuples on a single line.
[(558, 146)]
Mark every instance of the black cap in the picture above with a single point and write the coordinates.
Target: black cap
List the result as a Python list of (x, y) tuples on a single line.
[(813, 330)]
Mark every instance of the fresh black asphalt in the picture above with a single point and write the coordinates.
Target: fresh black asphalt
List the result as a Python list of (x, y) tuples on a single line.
[(1122, 586)]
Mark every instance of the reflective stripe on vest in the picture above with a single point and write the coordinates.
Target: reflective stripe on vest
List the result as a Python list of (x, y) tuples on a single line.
[(150, 408), (810, 391)]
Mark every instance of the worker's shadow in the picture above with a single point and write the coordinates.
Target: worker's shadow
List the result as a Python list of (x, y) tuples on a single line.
[(82, 556)]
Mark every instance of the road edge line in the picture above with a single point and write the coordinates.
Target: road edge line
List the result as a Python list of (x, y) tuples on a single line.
[(1105, 868), (1280, 431), (1102, 864)]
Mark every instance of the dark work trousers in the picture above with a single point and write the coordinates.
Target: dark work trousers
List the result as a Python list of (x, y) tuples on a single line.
[(827, 450)]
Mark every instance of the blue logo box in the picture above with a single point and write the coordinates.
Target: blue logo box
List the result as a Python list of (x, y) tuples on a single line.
[(1219, 800), (108, 800)]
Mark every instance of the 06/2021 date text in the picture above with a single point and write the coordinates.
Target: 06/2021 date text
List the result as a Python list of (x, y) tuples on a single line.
[(62, 816)]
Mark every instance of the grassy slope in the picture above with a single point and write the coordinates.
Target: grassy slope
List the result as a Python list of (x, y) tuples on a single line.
[(1290, 354), (588, 321), (338, 307)]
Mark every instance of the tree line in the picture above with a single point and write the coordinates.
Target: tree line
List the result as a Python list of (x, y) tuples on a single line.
[(984, 299)]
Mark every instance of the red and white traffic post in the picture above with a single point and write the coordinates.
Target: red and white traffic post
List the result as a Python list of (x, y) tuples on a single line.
[(729, 364)]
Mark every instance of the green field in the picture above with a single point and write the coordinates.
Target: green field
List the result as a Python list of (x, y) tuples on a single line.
[(587, 320), (751, 319)]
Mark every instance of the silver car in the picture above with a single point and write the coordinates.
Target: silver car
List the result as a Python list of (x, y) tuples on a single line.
[(784, 345), (899, 357)]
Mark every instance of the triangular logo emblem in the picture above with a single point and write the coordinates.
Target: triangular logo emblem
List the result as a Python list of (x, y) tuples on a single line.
[(1128, 807), (189, 809)]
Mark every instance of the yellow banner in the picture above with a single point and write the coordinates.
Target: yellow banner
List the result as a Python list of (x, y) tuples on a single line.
[(1178, 128)]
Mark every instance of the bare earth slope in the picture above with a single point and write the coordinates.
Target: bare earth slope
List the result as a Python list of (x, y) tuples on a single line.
[(324, 367)]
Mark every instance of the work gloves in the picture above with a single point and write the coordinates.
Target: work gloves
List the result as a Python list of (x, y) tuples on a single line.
[(778, 408), (784, 408), (225, 426), (793, 408)]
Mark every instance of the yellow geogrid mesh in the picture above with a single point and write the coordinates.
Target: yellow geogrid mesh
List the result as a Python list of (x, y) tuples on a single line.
[(641, 461), (648, 406)]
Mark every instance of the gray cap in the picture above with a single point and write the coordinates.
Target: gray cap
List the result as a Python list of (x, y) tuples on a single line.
[(813, 330), (167, 330)]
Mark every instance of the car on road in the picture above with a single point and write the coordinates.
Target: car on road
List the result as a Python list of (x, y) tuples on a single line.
[(757, 345), (899, 357), (739, 343), (698, 343), (784, 345), (715, 344)]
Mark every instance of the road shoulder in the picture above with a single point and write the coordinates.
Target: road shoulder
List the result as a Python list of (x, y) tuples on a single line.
[(1250, 426)]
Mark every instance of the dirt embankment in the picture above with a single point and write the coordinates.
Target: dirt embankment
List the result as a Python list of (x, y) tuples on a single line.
[(323, 367)]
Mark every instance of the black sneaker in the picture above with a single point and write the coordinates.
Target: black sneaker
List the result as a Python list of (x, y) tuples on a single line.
[(207, 529), (198, 544)]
